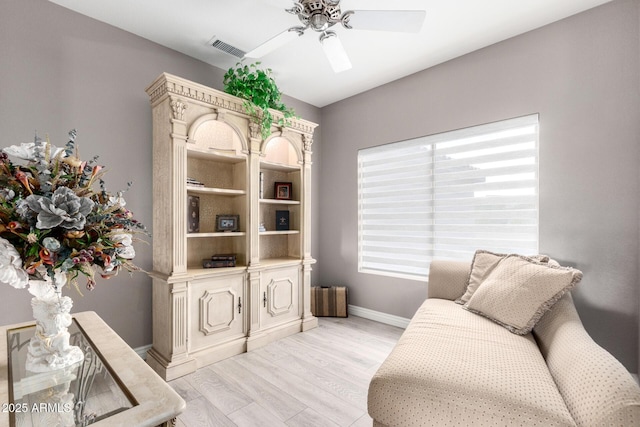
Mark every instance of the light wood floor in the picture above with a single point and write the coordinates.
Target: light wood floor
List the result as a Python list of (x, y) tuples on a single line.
[(316, 378)]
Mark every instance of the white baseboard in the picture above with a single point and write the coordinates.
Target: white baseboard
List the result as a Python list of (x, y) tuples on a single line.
[(142, 351), (635, 377), (387, 319)]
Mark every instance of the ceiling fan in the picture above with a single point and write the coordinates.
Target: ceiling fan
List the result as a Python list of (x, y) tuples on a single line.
[(321, 15)]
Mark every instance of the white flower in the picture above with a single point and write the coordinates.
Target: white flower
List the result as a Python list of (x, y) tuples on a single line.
[(7, 194), (117, 200), (126, 252), (11, 271), (123, 242), (27, 150)]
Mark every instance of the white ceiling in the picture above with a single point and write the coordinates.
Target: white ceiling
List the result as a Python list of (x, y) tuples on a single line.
[(452, 28)]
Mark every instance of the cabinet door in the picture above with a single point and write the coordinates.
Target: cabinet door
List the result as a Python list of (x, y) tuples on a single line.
[(216, 310), (279, 293)]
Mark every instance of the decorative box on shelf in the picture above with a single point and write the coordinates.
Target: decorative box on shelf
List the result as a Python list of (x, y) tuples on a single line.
[(329, 301)]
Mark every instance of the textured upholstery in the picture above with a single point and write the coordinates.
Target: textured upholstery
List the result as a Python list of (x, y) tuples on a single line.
[(597, 389), (447, 279), (454, 368), (482, 265), (519, 291)]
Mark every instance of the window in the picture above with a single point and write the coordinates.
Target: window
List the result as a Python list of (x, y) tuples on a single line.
[(446, 195)]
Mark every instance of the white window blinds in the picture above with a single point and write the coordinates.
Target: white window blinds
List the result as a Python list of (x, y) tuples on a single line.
[(447, 195)]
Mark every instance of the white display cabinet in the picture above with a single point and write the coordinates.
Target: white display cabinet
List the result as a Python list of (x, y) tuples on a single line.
[(214, 193)]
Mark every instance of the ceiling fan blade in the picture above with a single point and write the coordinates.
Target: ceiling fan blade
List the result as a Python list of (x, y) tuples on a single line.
[(274, 43), (404, 21), (280, 4), (335, 52)]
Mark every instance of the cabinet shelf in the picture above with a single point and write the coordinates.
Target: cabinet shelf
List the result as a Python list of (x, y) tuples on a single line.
[(279, 202), (225, 156), (281, 167), (279, 232), (208, 272), (217, 234), (278, 262), (215, 191)]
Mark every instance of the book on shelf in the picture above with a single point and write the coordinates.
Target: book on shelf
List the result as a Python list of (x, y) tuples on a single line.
[(262, 185), (209, 263), (282, 220), (219, 260), (223, 257), (194, 182), (193, 214)]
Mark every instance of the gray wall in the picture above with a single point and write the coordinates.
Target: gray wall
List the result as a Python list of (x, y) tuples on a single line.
[(60, 70), (581, 75)]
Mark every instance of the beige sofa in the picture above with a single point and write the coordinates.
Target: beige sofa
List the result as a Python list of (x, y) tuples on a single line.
[(452, 367)]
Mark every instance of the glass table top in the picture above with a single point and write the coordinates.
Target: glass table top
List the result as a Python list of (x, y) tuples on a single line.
[(79, 395)]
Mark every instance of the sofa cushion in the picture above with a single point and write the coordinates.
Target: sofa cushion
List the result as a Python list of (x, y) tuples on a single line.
[(519, 290), (482, 265), (451, 367)]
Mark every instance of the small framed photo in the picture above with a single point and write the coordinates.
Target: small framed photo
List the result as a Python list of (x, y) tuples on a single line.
[(227, 222), (282, 190)]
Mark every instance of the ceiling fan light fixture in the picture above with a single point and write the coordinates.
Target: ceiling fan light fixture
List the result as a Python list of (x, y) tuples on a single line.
[(318, 22), (335, 52)]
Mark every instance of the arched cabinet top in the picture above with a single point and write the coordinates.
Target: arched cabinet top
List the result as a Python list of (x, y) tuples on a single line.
[(281, 150), (209, 133)]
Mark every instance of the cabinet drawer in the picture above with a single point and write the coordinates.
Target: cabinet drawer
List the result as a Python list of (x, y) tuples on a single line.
[(216, 310)]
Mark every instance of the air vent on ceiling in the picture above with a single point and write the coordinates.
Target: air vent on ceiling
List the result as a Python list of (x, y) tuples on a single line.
[(227, 48)]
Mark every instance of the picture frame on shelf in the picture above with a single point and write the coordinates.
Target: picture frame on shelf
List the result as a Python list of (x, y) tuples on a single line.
[(227, 223), (282, 190)]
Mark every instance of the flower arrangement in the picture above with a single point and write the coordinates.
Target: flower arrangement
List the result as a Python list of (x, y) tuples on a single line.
[(54, 222)]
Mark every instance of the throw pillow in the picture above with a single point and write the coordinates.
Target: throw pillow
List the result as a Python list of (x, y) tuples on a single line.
[(482, 265), (520, 290)]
